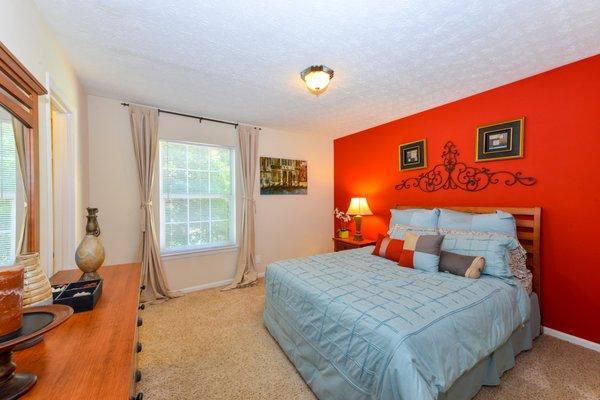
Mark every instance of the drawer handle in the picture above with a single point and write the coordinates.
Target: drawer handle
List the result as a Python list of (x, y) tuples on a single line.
[(142, 306), (138, 375), (140, 321), (139, 347)]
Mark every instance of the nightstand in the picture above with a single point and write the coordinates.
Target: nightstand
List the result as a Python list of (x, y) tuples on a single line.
[(340, 244)]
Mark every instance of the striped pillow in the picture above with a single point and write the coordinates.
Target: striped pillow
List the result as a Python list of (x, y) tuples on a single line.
[(388, 248), (421, 252)]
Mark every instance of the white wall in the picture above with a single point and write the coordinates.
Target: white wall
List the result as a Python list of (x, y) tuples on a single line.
[(25, 33), (286, 226)]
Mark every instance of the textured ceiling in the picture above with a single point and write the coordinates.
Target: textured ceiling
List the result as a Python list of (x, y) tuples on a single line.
[(240, 60)]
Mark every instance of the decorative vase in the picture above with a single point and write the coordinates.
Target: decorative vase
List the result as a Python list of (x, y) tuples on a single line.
[(11, 299), (36, 286), (90, 252), (344, 234)]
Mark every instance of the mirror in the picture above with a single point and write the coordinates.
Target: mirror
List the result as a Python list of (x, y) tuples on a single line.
[(12, 192)]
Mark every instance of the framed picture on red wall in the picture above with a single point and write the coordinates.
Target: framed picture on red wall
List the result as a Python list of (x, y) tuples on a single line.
[(413, 155), (500, 141)]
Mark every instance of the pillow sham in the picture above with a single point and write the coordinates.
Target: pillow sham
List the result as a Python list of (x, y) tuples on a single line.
[(494, 248), (517, 256), (418, 217), (388, 248), (499, 221), (458, 264), (421, 252), (398, 231)]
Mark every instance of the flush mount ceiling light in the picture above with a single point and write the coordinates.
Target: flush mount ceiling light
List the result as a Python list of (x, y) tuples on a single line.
[(317, 78)]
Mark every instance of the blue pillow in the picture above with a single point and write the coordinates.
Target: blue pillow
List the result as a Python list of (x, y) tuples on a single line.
[(495, 249), (417, 217), (499, 221)]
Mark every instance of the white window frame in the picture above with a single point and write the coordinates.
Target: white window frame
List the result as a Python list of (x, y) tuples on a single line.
[(213, 247)]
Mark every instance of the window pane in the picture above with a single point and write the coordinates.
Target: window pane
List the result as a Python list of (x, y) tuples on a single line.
[(6, 240), (198, 158), (219, 209), (175, 210), (173, 155), (199, 233), (8, 193), (174, 181), (199, 210), (198, 182), (176, 235), (219, 231), (220, 182), (219, 159)]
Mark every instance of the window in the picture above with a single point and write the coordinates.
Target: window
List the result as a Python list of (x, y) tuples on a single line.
[(8, 189), (197, 199)]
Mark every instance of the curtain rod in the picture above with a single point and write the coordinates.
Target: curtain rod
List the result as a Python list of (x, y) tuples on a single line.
[(194, 116)]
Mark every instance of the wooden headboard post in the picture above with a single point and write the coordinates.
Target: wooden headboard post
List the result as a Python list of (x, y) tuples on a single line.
[(528, 221)]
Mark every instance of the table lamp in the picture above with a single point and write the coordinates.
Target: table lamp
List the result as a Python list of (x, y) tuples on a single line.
[(358, 208)]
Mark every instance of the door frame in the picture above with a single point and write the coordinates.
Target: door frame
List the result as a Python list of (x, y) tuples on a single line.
[(68, 212)]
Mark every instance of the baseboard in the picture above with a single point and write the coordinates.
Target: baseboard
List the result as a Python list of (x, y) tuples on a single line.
[(211, 285), (572, 339), (205, 286)]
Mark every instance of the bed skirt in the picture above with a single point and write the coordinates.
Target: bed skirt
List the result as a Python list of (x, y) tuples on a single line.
[(327, 385)]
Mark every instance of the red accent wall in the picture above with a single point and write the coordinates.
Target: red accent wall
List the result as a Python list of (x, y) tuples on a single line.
[(562, 150)]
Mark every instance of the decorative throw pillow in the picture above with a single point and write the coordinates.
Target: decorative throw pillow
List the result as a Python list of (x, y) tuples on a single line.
[(418, 217), (388, 248), (500, 221), (458, 264), (421, 252)]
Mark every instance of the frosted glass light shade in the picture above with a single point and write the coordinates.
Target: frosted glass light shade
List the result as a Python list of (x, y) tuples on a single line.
[(359, 206), (317, 78)]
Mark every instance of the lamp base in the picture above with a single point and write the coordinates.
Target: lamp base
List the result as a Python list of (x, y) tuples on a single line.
[(357, 223)]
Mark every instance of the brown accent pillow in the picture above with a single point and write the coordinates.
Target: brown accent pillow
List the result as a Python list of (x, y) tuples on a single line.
[(457, 264)]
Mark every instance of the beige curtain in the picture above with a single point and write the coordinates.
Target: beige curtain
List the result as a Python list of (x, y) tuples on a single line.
[(144, 131), (248, 148), (22, 144)]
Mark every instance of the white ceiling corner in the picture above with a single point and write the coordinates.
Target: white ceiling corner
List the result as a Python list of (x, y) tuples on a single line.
[(240, 60)]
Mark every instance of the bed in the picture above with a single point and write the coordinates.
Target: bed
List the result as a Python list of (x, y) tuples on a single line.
[(356, 326)]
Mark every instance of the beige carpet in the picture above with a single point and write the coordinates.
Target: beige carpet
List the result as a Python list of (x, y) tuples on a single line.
[(212, 345)]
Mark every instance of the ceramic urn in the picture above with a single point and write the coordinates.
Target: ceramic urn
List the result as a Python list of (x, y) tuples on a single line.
[(90, 252)]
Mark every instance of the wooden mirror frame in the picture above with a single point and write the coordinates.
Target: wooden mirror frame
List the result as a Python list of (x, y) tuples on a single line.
[(24, 90)]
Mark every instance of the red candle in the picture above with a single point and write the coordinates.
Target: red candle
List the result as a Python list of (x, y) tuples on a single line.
[(11, 298)]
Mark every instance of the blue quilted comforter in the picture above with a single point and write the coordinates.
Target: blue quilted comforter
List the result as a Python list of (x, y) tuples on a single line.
[(357, 326)]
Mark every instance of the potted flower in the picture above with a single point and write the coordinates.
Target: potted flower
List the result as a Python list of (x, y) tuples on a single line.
[(344, 218)]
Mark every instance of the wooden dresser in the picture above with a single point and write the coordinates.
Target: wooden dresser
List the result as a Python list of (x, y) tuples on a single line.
[(93, 354)]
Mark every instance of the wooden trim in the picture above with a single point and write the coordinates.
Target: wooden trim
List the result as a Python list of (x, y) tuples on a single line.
[(11, 87), (25, 117), (528, 220), (23, 73), (16, 80)]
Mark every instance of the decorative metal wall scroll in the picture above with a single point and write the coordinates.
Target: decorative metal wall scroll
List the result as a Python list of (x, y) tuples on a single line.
[(454, 174)]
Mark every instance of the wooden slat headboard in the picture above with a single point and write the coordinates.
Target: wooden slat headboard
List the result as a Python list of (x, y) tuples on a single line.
[(528, 221)]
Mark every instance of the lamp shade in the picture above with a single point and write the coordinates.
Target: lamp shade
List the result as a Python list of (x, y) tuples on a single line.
[(359, 206), (317, 78)]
